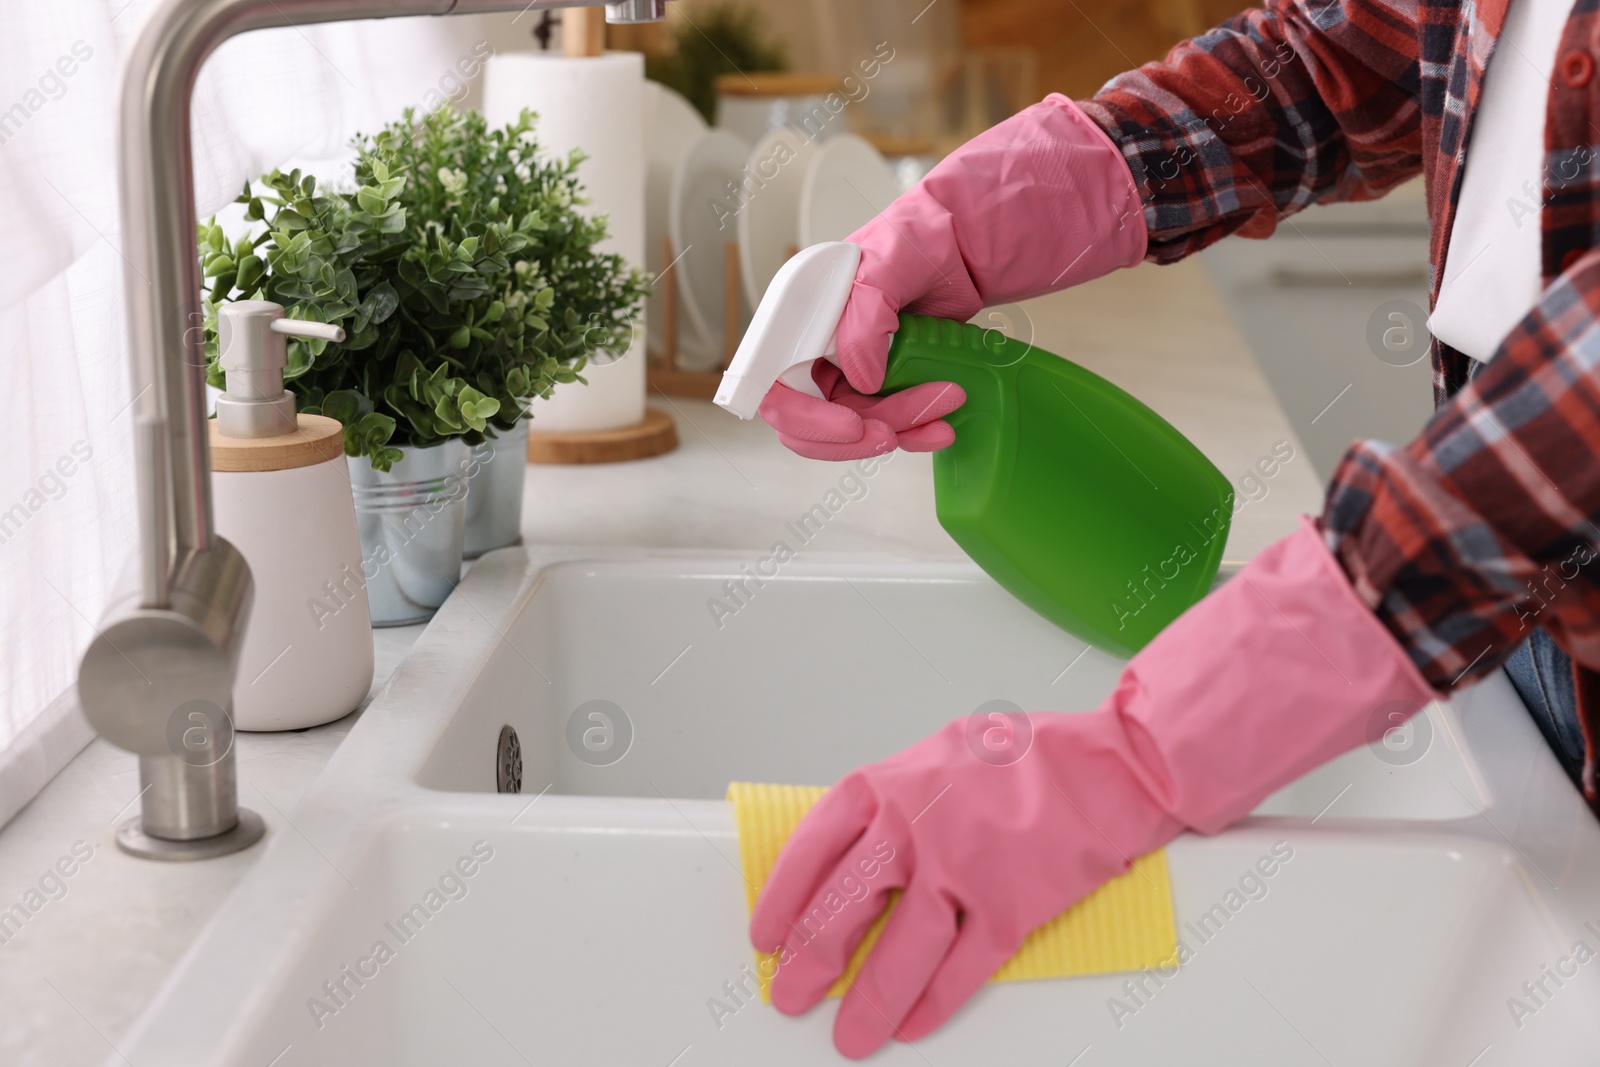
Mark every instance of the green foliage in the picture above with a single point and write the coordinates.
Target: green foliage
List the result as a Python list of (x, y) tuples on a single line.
[(726, 39), (465, 277)]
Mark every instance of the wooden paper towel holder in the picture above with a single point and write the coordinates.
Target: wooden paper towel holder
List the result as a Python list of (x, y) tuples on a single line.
[(583, 34), (652, 437)]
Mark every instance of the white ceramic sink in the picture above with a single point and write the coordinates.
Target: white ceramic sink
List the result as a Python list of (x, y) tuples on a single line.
[(830, 667), (1429, 879)]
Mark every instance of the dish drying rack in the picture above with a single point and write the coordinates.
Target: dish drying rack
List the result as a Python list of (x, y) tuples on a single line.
[(664, 368)]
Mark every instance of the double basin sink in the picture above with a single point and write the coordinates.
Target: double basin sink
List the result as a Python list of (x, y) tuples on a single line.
[(521, 855)]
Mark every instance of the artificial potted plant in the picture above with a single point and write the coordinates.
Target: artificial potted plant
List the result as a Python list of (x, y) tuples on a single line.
[(467, 280)]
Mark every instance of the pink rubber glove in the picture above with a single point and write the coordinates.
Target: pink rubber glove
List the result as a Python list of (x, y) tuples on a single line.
[(1041, 202), (850, 425), (993, 827)]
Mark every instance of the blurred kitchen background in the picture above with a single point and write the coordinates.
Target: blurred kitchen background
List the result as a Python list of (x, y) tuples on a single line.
[(1331, 307)]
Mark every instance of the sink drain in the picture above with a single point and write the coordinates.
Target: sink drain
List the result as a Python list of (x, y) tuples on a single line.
[(508, 762)]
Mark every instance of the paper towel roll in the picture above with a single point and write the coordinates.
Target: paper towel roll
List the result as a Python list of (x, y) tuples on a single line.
[(595, 103)]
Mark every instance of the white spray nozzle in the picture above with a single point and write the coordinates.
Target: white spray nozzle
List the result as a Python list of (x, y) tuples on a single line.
[(793, 327)]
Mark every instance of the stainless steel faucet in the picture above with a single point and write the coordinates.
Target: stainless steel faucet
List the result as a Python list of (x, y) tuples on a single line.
[(158, 677)]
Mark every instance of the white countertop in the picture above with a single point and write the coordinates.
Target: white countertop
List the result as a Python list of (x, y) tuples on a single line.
[(87, 963)]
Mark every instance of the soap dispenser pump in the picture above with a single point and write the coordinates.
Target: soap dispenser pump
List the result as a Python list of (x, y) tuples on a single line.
[(281, 493)]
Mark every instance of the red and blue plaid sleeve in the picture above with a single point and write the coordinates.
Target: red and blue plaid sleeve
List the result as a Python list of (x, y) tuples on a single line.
[(1304, 101), (1480, 530)]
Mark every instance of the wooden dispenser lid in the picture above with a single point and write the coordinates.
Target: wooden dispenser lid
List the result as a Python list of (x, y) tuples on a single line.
[(319, 439)]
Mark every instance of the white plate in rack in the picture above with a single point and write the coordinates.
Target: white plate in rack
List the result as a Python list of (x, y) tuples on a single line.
[(769, 224), (671, 125), (703, 220), (846, 185)]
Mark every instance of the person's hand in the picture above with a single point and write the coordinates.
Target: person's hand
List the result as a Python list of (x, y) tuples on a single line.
[(849, 425), (1040, 202), (998, 823), (985, 850)]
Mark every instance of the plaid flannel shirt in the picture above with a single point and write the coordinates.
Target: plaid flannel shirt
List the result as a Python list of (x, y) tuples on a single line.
[(1484, 527)]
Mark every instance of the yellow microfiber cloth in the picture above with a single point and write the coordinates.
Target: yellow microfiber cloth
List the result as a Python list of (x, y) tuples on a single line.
[(1125, 925)]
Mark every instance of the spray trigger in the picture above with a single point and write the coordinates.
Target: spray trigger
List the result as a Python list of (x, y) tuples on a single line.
[(793, 326)]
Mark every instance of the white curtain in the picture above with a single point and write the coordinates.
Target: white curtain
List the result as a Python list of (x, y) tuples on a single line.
[(289, 96)]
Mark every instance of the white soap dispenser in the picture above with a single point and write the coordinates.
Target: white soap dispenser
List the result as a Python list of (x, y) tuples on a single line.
[(281, 493)]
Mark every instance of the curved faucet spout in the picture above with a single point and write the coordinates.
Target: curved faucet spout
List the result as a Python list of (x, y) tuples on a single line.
[(173, 642)]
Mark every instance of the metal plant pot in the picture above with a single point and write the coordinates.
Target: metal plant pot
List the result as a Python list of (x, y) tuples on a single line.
[(494, 507), (412, 519)]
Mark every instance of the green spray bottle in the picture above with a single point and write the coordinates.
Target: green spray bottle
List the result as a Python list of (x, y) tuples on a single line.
[(1069, 492)]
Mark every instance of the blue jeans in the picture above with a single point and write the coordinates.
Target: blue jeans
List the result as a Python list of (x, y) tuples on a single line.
[(1542, 675)]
